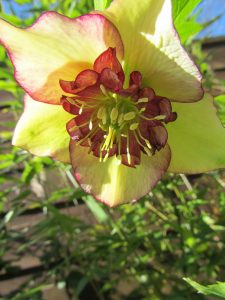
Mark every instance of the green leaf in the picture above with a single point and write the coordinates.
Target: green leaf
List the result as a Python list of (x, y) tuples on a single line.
[(184, 21), (96, 209), (183, 8), (217, 289), (9, 216), (101, 4)]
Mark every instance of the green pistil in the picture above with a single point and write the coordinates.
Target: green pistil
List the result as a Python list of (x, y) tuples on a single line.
[(116, 116)]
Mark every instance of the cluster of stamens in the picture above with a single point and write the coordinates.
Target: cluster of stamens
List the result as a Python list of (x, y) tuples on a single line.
[(111, 120)]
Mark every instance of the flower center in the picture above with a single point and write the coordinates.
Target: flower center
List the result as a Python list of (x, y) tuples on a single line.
[(112, 120)]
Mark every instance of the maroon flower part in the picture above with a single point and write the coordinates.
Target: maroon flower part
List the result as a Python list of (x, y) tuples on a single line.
[(111, 119)]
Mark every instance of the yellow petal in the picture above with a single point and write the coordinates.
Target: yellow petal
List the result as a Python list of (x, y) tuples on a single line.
[(152, 46), (56, 47), (42, 130), (196, 138)]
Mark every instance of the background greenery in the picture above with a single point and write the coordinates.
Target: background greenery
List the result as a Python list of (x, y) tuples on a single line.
[(139, 251)]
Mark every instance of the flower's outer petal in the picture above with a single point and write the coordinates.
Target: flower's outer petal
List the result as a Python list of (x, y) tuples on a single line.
[(56, 47), (116, 184), (152, 46), (42, 130), (196, 138)]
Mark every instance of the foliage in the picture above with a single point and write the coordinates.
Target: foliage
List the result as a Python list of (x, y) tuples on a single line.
[(101, 4), (184, 19), (79, 246), (217, 289)]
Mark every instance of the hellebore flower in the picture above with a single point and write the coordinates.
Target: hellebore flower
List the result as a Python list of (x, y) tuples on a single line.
[(124, 88)]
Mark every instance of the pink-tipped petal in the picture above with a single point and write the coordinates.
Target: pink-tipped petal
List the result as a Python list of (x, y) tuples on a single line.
[(56, 47), (41, 130), (116, 184)]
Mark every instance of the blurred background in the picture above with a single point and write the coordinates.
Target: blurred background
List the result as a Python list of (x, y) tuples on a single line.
[(57, 243)]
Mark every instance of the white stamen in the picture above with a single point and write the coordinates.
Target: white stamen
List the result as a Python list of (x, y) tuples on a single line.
[(103, 89), (106, 156), (148, 144), (160, 117), (147, 151), (142, 100), (90, 125), (81, 109), (128, 156)]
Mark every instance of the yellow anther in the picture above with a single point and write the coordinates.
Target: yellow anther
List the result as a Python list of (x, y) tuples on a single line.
[(114, 114), (129, 116), (148, 144), (103, 89), (81, 109), (101, 112), (142, 109), (160, 117), (147, 151), (142, 100), (90, 125), (128, 156), (134, 126)]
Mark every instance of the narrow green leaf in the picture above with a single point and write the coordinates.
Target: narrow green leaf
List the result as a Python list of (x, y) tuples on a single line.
[(182, 9), (9, 216), (184, 21), (96, 209), (217, 289)]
